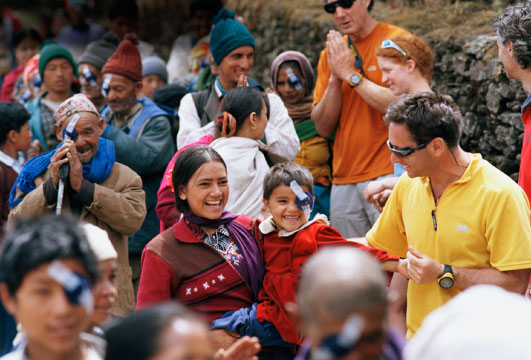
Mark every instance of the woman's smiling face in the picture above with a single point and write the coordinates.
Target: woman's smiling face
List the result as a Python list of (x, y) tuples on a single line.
[(207, 191)]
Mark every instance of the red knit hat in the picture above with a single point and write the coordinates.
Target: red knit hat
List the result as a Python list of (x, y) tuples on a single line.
[(126, 60)]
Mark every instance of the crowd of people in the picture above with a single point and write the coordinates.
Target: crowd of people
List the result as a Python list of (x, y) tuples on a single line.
[(182, 210)]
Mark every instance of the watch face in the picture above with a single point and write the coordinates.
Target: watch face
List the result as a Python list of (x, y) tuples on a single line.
[(446, 282), (356, 79)]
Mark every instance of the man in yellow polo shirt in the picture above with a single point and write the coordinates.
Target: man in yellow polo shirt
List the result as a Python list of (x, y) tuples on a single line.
[(456, 219)]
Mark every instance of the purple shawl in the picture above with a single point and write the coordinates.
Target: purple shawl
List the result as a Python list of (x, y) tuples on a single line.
[(251, 268)]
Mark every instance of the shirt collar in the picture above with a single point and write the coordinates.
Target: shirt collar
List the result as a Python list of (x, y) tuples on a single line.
[(268, 225), (14, 164)]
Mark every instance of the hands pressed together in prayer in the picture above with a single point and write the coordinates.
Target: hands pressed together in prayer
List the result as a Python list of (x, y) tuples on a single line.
[(340, 58), (67, 153), (419, 267)]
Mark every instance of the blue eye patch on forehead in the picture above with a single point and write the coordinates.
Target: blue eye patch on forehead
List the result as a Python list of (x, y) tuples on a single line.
[(304, 198), (70, 132), (76, 287)]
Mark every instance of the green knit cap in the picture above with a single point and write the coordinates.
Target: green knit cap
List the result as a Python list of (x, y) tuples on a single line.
[(227, 35), (53, 51)]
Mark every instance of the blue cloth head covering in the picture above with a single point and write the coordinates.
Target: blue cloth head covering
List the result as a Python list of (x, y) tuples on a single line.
[(227, 35)]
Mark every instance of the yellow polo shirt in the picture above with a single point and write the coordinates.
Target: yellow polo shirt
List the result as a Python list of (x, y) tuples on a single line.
[(482, 221)]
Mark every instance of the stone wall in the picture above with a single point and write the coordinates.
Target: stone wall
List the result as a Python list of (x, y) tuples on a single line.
[(465, 68)]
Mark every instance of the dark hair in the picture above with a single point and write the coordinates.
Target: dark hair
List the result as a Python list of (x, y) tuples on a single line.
[(212, 6), (427, 116), (240, 102), (125, 8), (369, 8), (26, 33), (514, 25), (185, 167), (40, 240), (14, 116), (283, 174), (137, 336)]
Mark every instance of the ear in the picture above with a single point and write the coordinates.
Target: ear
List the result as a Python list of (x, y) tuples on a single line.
[(437, 145), (100, 126), (293, 313), (266, 205), (138, 88), (252, 118), (7, 299), (12, 136), (58, 132), (509, 47), (411, 65), (181, 192)]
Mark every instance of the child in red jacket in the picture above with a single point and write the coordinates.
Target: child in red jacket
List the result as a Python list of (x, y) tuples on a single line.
[(289, 239)]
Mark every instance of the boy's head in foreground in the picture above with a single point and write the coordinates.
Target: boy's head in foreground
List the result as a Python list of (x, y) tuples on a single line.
[(280, 198), (46, 273)]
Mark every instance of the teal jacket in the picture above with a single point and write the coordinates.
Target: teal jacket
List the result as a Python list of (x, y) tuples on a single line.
[(34, 108), (148, 154)]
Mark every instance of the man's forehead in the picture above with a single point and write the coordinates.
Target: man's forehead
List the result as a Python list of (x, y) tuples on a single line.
[(118, 79), (84, 117), (247, 49)]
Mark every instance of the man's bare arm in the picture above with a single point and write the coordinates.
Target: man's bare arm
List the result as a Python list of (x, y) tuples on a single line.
[(325, 115), (513, 280)]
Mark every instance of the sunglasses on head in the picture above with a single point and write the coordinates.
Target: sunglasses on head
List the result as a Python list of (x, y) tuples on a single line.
[(403, 152), (390, 44), (332, 6)]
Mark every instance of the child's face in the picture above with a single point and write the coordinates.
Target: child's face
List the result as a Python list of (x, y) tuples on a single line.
[(51, 323), (283, 207), (150, 84)]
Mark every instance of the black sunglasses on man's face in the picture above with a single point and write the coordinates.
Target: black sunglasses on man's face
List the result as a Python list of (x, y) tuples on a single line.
[(332, 6), (403, 152)]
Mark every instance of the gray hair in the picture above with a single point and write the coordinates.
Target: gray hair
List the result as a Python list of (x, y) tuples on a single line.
[(339, 281), (514, 25)]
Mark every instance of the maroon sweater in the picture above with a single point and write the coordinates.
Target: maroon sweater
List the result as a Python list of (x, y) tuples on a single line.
[(177, 265), (5, 188)]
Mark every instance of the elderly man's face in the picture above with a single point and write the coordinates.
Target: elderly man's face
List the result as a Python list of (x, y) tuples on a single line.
[(371, 342), (122, 94), (89, 128)]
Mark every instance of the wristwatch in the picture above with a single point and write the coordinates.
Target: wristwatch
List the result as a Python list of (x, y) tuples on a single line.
[(355, 80), (446, 279)]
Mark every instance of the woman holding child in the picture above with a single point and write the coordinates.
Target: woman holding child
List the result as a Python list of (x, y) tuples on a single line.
[(212, 260)]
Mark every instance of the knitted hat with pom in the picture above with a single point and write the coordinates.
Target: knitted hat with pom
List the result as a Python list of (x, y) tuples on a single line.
[(126, 60), (227, 35)]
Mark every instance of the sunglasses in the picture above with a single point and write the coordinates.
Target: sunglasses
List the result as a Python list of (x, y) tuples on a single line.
[(332, 6), (403, 152), (390, 44)]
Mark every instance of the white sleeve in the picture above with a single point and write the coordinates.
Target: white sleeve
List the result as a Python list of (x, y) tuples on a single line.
[(190, 129), (180, 61), (282, 142)]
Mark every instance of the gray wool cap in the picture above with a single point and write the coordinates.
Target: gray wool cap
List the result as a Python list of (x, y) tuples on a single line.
[(97, 52), (154, 65)]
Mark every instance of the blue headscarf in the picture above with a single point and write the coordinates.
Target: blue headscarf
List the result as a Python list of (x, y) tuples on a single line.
[(96, 171)]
